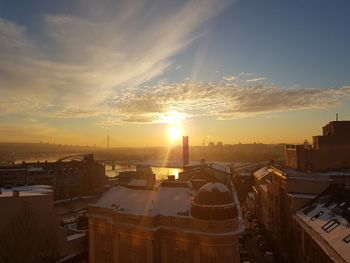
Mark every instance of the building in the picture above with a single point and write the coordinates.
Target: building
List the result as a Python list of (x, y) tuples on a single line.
[(31, 230), (329, 151), (185, 151), (194, 219), (72, 176), (322, 228), (280, 191)]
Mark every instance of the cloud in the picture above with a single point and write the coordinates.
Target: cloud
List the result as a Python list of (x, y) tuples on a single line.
[(217, 99), (77, 61), (256, 79), (230, 78)]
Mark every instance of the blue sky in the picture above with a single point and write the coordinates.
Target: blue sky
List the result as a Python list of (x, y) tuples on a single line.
[(73, 71)]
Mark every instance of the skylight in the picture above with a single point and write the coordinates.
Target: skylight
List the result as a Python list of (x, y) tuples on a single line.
[(346, 239), (317, 215), (328, 227)]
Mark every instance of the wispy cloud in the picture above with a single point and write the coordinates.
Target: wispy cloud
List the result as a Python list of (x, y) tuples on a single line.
[(256, 79), (81, 60), (229, 78), (217, 99)]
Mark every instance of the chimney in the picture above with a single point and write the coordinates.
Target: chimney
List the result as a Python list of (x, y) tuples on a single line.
[(185, 151), (336, 117)]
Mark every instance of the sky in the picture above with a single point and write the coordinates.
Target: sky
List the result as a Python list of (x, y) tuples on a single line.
[(73, 72)]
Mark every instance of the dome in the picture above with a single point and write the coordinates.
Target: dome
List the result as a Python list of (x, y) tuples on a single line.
[(214, 201)]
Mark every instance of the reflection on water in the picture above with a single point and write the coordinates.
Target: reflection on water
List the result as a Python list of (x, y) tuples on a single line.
[(161, 172)]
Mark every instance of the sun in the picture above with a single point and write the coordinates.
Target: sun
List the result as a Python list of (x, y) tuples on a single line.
[(175, 132)]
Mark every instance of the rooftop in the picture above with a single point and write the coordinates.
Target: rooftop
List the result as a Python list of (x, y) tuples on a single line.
[(163, 200), (28, 190), (328, 217)]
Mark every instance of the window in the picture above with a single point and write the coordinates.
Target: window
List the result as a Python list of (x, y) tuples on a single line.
[(346, 239), (309, 209), (317, 216), (330, 225)]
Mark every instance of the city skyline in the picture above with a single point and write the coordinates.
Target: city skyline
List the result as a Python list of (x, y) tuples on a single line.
[(148, 72)]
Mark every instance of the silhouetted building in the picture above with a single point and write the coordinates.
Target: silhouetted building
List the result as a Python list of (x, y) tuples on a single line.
[(220, 144), (166, 224), (72, 176), (328, 152), (185, 151)]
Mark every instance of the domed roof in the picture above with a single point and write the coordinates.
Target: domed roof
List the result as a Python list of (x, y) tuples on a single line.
[(213, 201), (213, 194)]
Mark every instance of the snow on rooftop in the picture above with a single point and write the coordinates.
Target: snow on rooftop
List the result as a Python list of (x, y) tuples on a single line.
[(76, 236), (321, 213), (305, 196), (27, 190), (262, 172), (167, 201), (34, 169), (328, 174), (138, 182), (221, 167), (7, 193), (219, 186)]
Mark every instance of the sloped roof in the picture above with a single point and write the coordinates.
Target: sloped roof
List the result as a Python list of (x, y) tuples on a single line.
[(328, 218)]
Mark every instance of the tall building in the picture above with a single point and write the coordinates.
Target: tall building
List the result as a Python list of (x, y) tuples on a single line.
[(328, 152), (185, 150), (188, 220)]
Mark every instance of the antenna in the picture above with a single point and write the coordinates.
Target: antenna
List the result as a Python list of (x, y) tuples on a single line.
[(336, 117)]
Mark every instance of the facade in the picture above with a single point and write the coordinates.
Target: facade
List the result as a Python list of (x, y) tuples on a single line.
[(279, 192), (69, 177), (30, 228), (322, 228), (196, 220), (329, 151)]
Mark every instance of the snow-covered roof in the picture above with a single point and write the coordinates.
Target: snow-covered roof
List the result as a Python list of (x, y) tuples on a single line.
[(219, 186), (304, 196), (261, 173), (76, 236), (34, 169), (329, 174), (27, 190), (138, 182), (167, 201), (326, 218), (221, 167)]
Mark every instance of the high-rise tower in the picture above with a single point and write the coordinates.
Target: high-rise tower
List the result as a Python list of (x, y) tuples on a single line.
[(185, 151)]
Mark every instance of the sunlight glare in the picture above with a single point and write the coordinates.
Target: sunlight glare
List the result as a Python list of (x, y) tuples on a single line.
[(175, 132)]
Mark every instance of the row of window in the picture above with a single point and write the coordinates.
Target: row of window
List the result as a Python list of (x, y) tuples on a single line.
[(330, 225)]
